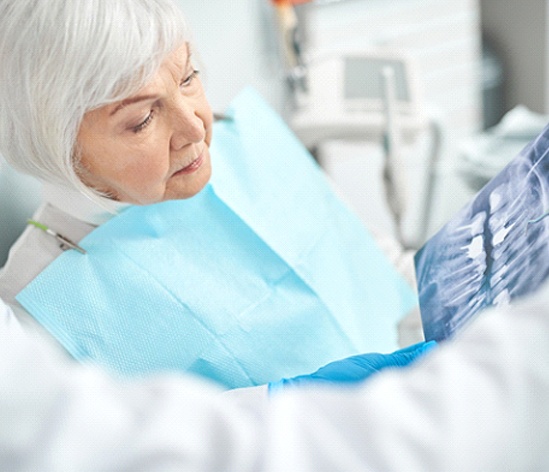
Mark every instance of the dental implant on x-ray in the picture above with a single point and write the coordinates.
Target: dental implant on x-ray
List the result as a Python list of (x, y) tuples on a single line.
[(494, 250)]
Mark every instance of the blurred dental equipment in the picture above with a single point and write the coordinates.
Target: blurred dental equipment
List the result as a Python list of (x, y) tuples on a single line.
[(391, 147), (486, 154), (361, 94), (373, 97), (290, 34), (291, 43)]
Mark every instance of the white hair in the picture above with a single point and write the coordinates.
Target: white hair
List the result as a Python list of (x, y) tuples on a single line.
[(62, 58)]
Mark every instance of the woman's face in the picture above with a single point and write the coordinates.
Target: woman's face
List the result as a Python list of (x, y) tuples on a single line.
[(152, 146)]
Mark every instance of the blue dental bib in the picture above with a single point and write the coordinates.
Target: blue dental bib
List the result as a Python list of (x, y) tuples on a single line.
[(264, 274)]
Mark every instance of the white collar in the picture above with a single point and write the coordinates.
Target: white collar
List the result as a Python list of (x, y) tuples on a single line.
[(80, 206)]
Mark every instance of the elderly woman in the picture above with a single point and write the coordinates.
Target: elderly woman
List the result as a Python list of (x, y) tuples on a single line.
[(101, 101)]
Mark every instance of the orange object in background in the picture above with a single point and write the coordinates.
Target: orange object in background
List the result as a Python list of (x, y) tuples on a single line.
[(288, 27), (289, 2)]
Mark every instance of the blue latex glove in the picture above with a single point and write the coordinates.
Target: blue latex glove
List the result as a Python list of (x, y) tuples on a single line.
[(357, 368)]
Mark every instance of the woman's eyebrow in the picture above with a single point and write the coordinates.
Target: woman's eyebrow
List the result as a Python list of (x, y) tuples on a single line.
[(140, 98), (129, 101)]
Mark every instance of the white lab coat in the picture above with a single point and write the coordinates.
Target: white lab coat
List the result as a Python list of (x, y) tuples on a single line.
[(475, 404)]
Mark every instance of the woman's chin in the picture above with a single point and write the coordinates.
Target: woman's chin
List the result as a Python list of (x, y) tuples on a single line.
[(181, 187)]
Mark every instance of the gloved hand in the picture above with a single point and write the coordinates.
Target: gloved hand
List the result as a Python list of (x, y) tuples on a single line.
[(356, 368)]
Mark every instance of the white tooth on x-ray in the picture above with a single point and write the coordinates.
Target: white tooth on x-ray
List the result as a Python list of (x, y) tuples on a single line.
[(493, 251)]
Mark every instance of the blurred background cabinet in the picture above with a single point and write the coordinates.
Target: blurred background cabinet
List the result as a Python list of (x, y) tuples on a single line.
[(518, 31)]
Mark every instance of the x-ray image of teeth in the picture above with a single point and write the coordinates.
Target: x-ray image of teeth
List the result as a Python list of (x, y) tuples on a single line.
[(494, 250)]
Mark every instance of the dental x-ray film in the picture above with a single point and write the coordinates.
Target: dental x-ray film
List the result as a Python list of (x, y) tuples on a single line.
[(494, 250)]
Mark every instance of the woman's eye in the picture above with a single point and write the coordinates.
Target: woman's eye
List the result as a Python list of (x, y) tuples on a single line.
[(188, 80), (141, 126)]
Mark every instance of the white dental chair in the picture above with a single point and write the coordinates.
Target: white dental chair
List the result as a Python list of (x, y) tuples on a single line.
[(19, 197)]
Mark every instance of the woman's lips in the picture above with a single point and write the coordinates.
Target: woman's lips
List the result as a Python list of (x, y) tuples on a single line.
[(193, 166)]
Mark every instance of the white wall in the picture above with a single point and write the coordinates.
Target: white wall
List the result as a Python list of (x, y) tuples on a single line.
[(236, 42)]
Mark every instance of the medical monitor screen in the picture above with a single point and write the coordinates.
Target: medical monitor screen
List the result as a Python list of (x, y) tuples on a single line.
[(494, 250), (363, 78)]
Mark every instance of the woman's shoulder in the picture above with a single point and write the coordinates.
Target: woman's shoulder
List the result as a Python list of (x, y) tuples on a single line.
[(34, 250)]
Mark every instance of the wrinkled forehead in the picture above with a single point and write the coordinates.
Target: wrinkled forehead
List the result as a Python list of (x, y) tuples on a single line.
[(178, 60)]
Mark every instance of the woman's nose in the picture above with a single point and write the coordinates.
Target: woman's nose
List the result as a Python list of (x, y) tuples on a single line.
[(187, 125)]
